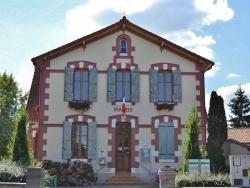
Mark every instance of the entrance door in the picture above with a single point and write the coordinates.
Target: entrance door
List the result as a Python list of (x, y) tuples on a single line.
[(123, 147)]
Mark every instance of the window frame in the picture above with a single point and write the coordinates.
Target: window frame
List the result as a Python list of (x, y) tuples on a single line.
[(79, 156), (81, 81), (123, 71), (165, 82)]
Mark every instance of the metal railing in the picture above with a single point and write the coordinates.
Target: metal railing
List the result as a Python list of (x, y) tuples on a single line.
[(50, 181), (102, 167)]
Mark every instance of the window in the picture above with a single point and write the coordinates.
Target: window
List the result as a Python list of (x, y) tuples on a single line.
[(165, 84), (123, 46), (123, 83), (81, 84), (79, 140)]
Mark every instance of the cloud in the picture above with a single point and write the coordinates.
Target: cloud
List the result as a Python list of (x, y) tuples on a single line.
[(227, 93), (232, 75), (197, 44), (159, 16), (24, 77), (84, 19), (216, 10), (214, 70)]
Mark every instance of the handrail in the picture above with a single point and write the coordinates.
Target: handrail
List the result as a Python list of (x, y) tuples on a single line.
[(143, 166), (102, 167)]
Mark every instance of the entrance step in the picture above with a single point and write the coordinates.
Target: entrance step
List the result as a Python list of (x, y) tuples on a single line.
[(124, 178)]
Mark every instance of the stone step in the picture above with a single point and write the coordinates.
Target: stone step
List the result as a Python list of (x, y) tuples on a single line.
[(124, 179)]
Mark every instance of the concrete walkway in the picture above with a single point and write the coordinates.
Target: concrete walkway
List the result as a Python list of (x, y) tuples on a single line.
[(118, 186)]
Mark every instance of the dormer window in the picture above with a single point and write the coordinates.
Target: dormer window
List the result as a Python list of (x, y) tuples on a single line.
[(123, 46)]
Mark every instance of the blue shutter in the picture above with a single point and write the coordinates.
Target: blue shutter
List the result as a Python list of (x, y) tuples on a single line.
[(162, 141), (68, 84), (66, 150), (170, 140), (153, 85), (111, 95), (92, 140), (177, 86), (93, 84), (135, 97)]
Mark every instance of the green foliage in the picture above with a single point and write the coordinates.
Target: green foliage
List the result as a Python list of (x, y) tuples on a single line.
[(21, 147), (11, 171), (202, 180), (191, 149), (240, 107), (217, 131), (71, 174), (11, 100)]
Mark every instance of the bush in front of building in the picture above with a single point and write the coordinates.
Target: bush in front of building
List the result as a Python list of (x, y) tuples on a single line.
[(11, 171), (76, 173), (202, 180)]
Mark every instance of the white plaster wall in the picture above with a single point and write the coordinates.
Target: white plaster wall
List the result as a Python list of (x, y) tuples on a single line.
[(101, 53), (54, 144)]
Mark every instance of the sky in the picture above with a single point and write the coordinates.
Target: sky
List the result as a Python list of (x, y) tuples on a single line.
[(215, 29)]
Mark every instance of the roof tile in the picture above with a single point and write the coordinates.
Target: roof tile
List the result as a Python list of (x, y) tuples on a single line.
[(239, 134)]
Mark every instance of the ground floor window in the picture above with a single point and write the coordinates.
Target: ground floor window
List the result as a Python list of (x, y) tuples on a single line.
[(79, 140)]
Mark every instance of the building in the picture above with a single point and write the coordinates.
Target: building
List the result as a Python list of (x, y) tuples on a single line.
[(237, 143), (117, 98)]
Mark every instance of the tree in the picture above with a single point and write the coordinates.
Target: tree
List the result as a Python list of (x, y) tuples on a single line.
[(217, 131), (10, 103), (240, 107), (21, 148), (191, 149)]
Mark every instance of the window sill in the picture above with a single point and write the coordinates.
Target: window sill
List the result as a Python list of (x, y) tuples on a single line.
[(123, 54), (126, 103)]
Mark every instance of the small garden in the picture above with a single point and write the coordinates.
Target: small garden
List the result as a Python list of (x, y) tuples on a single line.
[(68, 174), (202, 180), (71, 174)]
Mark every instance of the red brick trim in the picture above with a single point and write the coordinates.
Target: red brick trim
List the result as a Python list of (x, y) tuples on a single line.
[(160, 66), (81, 64)]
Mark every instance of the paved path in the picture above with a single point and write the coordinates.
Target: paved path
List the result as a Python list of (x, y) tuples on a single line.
[(118, 186)]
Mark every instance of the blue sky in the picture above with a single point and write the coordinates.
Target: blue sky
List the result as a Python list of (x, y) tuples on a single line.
[(215, 29)]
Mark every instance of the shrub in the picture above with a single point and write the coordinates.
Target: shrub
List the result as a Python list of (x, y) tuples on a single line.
[(71, 174), (11, 171), (192, 180)]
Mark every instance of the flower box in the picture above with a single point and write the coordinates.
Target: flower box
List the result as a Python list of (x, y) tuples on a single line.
[(165, 106), (80, 106)]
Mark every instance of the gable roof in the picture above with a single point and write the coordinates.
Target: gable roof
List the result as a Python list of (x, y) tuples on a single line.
[(239, 134), (124, 25)]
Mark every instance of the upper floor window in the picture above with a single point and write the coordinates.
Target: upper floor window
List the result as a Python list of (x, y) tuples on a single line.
[(81, 84), (79, 140), (165, 85), (123, 85), (123, 46)]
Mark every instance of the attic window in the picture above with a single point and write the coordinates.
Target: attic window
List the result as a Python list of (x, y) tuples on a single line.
[(123, 46)]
